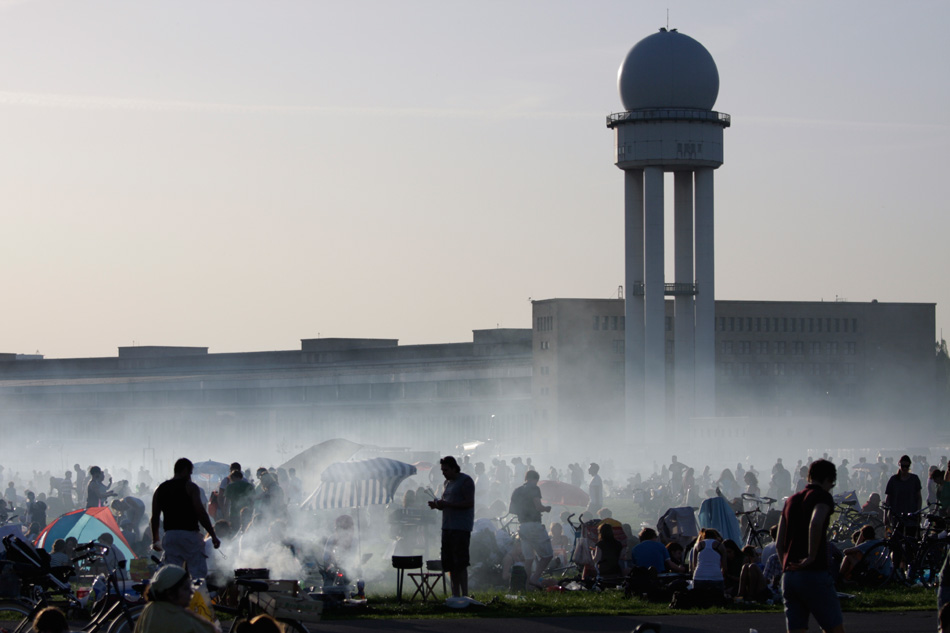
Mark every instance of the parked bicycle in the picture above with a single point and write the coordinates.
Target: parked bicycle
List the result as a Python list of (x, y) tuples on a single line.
[(755, 530), (113, 613)]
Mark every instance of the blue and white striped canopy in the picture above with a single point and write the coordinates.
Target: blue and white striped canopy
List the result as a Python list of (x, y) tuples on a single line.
[(358, 484)]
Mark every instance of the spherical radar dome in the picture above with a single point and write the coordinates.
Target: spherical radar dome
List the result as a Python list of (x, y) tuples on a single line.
[(668, 70)]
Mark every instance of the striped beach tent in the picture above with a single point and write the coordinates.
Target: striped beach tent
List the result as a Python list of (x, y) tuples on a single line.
[(359, 484)]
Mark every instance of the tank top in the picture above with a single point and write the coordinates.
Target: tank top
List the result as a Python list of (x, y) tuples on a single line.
[(176, 506), (708, 566)]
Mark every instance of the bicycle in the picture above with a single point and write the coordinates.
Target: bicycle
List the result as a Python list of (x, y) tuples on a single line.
[(916, 552), (113, 614), (756, 534), (849, 520)]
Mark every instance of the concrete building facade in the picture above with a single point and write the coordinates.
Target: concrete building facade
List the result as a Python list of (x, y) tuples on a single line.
[(818, 373), (841, 368)]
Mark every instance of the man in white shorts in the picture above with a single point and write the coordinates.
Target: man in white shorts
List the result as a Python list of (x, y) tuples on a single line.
[(535, 540)]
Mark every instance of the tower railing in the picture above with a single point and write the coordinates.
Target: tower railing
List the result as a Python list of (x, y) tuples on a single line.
[(669, 114), (670, 290)]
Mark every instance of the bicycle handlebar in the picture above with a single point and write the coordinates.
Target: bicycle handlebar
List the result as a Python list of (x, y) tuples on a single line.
[(748, 496)]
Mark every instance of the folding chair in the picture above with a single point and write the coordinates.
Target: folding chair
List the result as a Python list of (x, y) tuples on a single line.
[(428, 581)]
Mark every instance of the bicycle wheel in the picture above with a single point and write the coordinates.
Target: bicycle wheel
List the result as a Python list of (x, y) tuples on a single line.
[(123, 623), (294, 625), (876, 568), (17, 612), (927, 566)]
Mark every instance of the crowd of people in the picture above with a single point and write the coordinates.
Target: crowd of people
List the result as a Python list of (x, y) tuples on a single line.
[(256, 517)]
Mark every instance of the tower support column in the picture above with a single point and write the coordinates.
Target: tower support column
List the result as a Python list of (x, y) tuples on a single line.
[(654, 298), (633, 305), (683, 308), (705, 296)]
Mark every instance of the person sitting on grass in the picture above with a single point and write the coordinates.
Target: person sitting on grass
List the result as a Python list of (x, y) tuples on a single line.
[(864, 540), (752, 584), (676, 556), (708, 562), (651, 553), (607, 553)]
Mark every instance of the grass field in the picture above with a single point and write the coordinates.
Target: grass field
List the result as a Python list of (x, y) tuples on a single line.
[(540, 604)]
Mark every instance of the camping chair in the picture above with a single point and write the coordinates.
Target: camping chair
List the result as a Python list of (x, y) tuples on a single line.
[(428, 581)]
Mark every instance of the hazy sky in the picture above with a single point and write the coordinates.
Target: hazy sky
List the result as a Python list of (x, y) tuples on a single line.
[(241, 175)]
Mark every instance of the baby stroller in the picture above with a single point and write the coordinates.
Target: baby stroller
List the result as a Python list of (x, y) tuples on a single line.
[(32, 568)]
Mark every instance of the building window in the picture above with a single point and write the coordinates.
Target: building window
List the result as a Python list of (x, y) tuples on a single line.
[(727, 347), (768, 324), (850, 348), (837, 325), (623, 323), (668, 323), (604, 323), (779, 369), (849, 369), (744, 369), (545, 345), (726, 369), (845, 325), (832, 348), (596, 322), (722, 324), (619, 346), (762, 347), (613, 322), (780, 347), (828, 324), (798, 347), (545, 370), (793, 325), (545, 324), (745, 347), (748, 323), (741, 324), (814, 348), (819, 323), (854, 326), (732, 324), (758, 324)]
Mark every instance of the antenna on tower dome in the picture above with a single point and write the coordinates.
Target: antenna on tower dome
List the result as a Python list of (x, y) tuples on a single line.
[(667, 18)]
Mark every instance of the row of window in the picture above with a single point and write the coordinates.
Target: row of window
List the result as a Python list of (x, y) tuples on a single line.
[(831, 348), (545, 323), (610, 323), (788, 324), (786, 369)]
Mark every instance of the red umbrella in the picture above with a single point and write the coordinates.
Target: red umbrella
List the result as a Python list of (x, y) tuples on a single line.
[(559, 493)]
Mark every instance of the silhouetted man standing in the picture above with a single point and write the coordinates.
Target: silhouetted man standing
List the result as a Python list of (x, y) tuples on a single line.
[(458, 517), (179, 501)]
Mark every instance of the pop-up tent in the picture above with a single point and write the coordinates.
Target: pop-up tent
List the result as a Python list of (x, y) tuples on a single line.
[(311, 463), (359, 484), (85, 525)]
